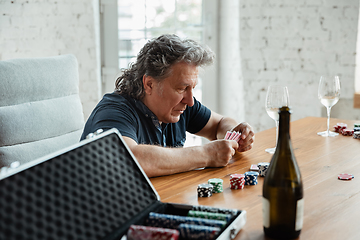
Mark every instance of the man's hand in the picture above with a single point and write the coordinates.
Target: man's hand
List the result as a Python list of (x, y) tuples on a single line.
[(218, 125), (220, 152), (247, 136)]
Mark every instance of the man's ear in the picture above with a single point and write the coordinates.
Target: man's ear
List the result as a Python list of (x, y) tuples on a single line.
[(148, 83)]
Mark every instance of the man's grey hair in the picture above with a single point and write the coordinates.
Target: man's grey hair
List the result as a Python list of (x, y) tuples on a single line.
[(156, 58)]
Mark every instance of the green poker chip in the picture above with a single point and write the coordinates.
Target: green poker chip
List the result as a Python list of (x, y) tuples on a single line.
[(210, 215), (217, 183)]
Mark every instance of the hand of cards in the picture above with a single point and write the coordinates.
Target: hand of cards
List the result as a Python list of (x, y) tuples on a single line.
[(232, 135)]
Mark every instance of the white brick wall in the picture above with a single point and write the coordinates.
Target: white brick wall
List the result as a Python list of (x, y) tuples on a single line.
[(290, 42), (293, 43), (41, 28)]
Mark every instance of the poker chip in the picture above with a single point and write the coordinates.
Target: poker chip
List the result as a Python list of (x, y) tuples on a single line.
[(237, 181), (251, 178), (339, 126), (263, 167), (356, 125), (345, 176), (217, 183), (236, 176), (137, 232), (205, 190), (347, 132), (356, 129), (356, 135), (194, 232), (202, 208), (173, 221), (209, 215)]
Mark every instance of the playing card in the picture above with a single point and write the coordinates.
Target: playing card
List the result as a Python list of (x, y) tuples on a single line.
[(228, 133), (232, 135)]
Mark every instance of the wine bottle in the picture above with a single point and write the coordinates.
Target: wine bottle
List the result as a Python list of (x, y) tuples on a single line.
[(283, 203)]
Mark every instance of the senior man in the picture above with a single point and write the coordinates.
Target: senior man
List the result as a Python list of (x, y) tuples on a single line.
[(153, 106)]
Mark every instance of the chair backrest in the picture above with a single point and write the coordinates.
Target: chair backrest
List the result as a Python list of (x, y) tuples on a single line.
[(40, 107)]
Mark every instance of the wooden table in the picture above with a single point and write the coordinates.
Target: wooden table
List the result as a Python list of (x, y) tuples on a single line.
[(332, 206)]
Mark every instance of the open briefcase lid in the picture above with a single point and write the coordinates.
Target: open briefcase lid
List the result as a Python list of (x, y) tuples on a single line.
[(82, 192)]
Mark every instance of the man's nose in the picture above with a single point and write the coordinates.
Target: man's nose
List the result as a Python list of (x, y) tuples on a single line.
[(189, 98)]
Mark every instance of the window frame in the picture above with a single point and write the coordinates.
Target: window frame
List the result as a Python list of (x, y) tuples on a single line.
[(109, 49)]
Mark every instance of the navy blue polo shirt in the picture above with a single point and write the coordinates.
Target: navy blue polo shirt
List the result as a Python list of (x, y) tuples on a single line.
[(134, 120)]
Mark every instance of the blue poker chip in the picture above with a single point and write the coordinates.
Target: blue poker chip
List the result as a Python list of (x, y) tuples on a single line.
[(251, 178), (251, 182), (251, 173)]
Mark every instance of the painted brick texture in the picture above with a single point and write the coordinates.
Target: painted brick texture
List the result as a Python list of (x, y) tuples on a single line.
[(42, 28), (289, 42), (292, 43)]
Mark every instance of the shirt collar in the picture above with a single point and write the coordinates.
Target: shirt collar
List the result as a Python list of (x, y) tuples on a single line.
[(148, 113)]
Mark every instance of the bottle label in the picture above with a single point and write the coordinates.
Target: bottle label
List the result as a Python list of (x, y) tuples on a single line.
[(299, 215), (266, 212)]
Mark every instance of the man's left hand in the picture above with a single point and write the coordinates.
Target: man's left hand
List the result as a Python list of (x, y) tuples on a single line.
[(247, 137)]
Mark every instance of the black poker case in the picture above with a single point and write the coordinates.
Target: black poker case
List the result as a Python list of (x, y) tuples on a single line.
[(92, 190)]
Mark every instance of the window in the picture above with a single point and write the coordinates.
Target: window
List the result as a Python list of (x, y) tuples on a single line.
[(141, 20)]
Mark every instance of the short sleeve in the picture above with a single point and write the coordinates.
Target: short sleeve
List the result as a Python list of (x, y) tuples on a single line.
[(113, 114), (197, 117)]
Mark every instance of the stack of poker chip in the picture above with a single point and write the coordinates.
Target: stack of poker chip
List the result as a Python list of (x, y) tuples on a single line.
[(356, 127), (251, 178), (237, 181), (339, 127), (263, 167), (173, 221), (347, 132), (136, 232), (217, 183), (188, 231), (357, 130), (357, 135), (210, 215), (203, 208), (205, 190)]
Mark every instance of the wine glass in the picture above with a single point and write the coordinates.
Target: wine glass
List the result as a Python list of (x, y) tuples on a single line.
[(329, 94), (276, 97)]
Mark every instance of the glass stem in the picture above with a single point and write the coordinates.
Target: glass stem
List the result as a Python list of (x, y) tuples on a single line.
[(277, 131), (328, 119)]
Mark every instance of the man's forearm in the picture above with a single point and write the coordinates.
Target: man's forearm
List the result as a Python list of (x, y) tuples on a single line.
[(157, 161)]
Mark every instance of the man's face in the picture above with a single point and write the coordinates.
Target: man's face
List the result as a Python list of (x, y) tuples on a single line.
[(169, 98)]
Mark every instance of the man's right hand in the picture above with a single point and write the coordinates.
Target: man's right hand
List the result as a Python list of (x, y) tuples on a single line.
[(220, 152)]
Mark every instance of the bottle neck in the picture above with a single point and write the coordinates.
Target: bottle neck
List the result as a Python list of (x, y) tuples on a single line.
[(284, 128)]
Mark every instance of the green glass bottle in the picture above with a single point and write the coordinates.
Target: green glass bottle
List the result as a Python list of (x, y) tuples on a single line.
[(283, 203)]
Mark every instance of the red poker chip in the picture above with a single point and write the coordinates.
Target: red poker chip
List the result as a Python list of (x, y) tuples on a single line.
[(347, 132), (237, 176), (341, 125), (345, 176)]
